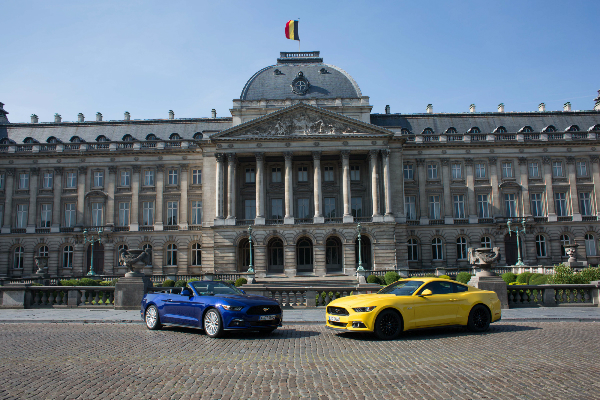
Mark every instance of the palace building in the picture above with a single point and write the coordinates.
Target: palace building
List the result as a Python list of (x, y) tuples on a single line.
[(302, 159)]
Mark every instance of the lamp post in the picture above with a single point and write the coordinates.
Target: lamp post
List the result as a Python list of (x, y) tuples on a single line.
[(250, 267), (92, 240), (517, 231), (360, 267)]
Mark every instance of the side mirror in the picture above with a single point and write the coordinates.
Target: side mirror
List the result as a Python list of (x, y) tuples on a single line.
[(426, 292), (186, 292)]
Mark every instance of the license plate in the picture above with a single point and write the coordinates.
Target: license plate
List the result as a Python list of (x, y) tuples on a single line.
[(267, 317), (334, 319)]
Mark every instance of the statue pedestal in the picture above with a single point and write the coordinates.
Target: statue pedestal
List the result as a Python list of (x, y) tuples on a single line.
[(493, 283), (130, 290)]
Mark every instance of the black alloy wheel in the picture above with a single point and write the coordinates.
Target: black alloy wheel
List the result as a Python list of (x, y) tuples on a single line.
[(388, 325), (479, 319)]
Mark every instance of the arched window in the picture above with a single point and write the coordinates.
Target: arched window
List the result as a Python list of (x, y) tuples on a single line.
[(101, 138), (128, 138), (67, 257), (75, 139), (564, 239), (175, 136), (198, 136), (451, 130), (526, 129), (30, 140), (500, 129), (151, 136), (276, 261), (365, 252), (121, 247), (304, 254), (244, 255), (540, 246), (549, 129), (590, 245), (486, 242), (52, 139), (196, 254), (461, 248), (404, 131), (573, 128), (474, 130), (413, 249), (595, 128), (148, 247), (427, 131), (18, 257), (43, 251), (333, 255), (437, 249), (171, 255)]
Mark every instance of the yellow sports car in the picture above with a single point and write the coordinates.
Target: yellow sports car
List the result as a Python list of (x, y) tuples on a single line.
[(414, 303)]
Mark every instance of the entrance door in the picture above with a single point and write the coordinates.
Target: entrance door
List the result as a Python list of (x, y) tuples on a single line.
[(510, 248), (98, 258)]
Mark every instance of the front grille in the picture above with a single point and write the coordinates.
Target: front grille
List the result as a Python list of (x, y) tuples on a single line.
[(265, 323), (337, 311), (264, 310), (340, 324)]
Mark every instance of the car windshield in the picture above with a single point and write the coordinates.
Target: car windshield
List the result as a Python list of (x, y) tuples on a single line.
[(401, 288), (205, 288)]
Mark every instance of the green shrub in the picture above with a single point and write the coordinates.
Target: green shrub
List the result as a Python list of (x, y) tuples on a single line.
[(524, 277), (391, 277), (463, 277), (105, 283), (562, 275), (157, 284), (590, 274), (538, 279), (240, 281), (509, 277), (180, 283), (194, 280), (68, 282), (444, 277), (168, 283), (88, 282), (430, 276), (36, 284), (230, 282), (372, 279)]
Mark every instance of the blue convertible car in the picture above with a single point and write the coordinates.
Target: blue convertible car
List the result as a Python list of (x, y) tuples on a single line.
[(213, 306)]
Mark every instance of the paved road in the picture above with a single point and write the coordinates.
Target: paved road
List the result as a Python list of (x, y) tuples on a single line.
[(514, 360)]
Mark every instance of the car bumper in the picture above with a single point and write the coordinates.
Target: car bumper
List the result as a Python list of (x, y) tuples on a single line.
[(240, 321), (356, 322)]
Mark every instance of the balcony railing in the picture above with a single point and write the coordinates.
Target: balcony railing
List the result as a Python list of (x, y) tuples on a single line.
[(195, 227), (505, 137), (303, 220), (531, 136), (589, 218), (436, 222), (363, 219), (556, 136), (485, 220), (455, 138), (146, 228), (18, 230), (334, 220), (565, 219), (170, 228), (461, 221), (242, 222), (274, 221), (413, 222), (478, 138), (121, 229), (42, 230), (540, 219)]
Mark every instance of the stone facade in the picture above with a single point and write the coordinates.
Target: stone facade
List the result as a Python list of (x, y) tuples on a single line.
[(303, 168)]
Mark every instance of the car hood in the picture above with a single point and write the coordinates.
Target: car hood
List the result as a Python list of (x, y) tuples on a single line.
[(363, 300), (248, 299)]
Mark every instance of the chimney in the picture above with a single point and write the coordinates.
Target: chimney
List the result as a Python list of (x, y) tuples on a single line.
[(127, 116), (542, 107), (57, 118), (80, 117), (98, 116), (429, 108), (213, 113), (387, 109), (501, 107), (596, 107), (472, 108), (171, 114), (34, 119), (567, 106)]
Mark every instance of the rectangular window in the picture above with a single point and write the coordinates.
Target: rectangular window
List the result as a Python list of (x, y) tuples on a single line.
[(250, 176), (456, 171), (148, 213), (459, 206), (434, 207), (432, 171), (124, 214), (480, 170), (46, 217), (328, 174), (125, 178), (557, 169), (196, 177), (303, 208), (249, 209), (277, 208), (537, 206), (409, 173), (534, 170), (356, 203), (355, 172), (483, 206), (302, 174), (70, 214), (22, 216), (581, 168), (196, 212), (172, 208), (507, 171), (1, 181), (97, 214), (585, 203), (47, 183), (560, 204), (98, 178), (71, 180), (276, 175), (410, 207), (149, 177), (23, 180), (510, 203), (329, 207), (173, 177)]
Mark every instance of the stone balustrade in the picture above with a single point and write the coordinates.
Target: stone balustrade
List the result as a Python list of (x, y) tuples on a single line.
[(554, 295), (25, 296)]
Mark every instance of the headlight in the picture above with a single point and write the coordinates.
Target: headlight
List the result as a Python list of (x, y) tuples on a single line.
[(364, 309), (231, 308)]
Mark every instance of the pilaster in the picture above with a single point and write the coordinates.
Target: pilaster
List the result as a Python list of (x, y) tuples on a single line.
[(8, 203), (160, 187), (134, 224), (33, 184), (55, 228), (289, 189), (183, 220)]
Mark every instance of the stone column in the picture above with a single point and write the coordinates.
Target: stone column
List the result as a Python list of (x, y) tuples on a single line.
[(525, 187), (81, 186), (422, 174), (573, 189), (448, 216), (260, 189), (33, 184), (547, 161), (595, 176), (389, 214), (496, 210), (160, 187), (317, 188), (183, 202), (219, 190), (346, 192), (56, 204), (471, 198), (8, 195), (374, 185), (110, 201), (289, 189), (134, 224), (231, 188)]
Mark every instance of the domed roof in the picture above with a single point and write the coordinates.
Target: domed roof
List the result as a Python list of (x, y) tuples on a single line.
[(300, 76)]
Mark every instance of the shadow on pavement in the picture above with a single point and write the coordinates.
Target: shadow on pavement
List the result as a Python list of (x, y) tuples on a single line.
[(280, 333)]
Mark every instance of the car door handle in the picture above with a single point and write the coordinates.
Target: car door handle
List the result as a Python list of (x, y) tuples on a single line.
[(168, 300)]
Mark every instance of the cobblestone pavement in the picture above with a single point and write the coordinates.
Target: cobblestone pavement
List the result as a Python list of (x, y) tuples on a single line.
[(514, 360)]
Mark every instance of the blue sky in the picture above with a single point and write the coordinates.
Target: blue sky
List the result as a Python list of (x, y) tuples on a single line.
[(148, 57)]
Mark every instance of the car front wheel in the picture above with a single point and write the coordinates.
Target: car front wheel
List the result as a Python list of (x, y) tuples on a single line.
[(479, 319), (388, 325), (213, 324), (152, 319)]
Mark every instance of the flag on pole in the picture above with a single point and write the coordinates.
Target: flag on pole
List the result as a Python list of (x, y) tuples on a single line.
[(291, 30)]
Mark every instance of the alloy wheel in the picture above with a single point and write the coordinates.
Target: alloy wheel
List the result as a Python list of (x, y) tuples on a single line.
[(211, 323)]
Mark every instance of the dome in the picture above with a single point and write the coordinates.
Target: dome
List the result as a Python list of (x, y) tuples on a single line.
[(300, 76)]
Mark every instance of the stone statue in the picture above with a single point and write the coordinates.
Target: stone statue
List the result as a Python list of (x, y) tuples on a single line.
[(571, 251), (130, 257), (42, 263)]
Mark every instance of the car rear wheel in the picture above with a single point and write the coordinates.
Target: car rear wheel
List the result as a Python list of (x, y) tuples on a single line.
[(213, 324), (479, 319), (152, 319), (388, 325)]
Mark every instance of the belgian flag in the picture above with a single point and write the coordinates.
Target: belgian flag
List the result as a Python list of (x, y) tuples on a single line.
[(291, 30)]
